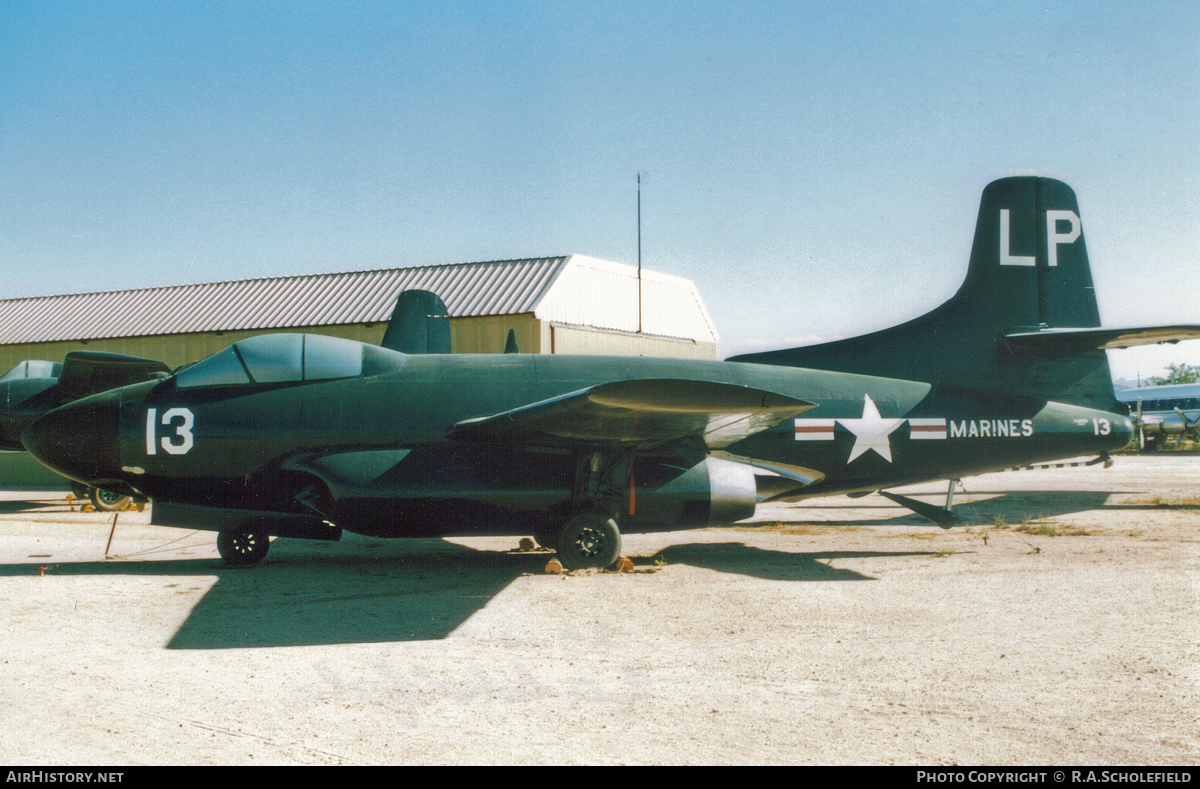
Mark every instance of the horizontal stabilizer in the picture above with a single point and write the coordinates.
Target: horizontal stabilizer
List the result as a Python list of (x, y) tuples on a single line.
[(638, 413), (1065, 342), (89, 372)]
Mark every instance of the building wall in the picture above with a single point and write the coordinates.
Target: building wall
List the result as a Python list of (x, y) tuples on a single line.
[(486, 334), (573, 340), (171, 349), (489, 333)]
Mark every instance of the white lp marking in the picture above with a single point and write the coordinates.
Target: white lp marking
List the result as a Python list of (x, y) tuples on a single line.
[(183, 431), (1054, 238), (1005, 258)]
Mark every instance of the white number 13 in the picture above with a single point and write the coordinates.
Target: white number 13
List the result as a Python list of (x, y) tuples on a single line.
[(183, 431)]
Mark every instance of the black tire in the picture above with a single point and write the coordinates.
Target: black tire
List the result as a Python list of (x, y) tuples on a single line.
[(590, 539), (80, 490), (242, 548), (106, 500)]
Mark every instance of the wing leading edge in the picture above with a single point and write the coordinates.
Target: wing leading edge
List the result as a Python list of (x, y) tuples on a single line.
[(638, 413)]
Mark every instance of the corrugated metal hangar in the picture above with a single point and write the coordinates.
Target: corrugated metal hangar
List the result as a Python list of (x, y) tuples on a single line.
[(573, 304)]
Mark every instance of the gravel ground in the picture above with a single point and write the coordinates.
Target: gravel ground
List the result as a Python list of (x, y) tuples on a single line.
[(1063, 627)]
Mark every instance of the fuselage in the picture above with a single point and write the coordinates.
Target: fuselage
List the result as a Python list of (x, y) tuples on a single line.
[(378, 442)]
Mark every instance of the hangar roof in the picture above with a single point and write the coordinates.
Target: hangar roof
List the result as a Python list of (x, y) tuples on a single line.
[(573, 289)]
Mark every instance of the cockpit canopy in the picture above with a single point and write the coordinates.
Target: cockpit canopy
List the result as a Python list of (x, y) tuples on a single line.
[(282, 358), (33, 368)]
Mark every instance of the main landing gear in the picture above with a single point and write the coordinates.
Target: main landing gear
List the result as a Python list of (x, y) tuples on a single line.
[(241, 547), (591, 538)]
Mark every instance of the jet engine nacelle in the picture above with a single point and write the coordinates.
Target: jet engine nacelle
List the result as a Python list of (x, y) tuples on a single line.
[(711, 493)]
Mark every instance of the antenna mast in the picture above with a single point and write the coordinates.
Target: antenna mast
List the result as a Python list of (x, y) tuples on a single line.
[(639, 231)]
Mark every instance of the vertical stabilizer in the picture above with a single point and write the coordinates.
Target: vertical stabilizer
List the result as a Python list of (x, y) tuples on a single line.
[(1028, 271), (420, 324)]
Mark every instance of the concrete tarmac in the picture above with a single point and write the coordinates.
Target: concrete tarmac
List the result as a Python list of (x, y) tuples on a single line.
[(1061, 627)]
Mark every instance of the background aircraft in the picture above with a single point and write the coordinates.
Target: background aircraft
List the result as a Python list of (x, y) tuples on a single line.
[(34, 387), (303, 435), (1159, 412)]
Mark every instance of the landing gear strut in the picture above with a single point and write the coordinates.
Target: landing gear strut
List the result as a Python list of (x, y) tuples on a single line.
[(242, 548), (591, 537)]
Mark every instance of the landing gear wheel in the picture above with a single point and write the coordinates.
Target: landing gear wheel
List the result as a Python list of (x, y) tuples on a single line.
[(106, 500), (241, 548), (590, 539)]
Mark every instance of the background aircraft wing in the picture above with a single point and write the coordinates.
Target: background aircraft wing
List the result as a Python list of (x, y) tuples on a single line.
[(1065, 342), (88, 372), (638, 413)]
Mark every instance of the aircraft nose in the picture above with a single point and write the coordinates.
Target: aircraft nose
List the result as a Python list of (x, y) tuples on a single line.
[(81, 439)]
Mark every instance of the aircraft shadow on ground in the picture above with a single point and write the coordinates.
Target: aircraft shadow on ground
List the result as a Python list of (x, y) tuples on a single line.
[(368, 591), (741, 559), (984, 508), (34, 505)]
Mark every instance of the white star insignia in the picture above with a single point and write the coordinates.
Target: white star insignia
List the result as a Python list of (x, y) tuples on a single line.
[(871, 432)]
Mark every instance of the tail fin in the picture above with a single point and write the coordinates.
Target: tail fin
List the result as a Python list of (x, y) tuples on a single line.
[(1028, 273), (420, 324)]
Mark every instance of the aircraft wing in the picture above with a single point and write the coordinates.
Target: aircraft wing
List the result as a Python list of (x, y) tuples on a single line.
[(1064, 342), (88, 372), (638, 413)]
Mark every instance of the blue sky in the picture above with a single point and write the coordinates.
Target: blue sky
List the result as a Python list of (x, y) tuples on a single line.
[(815, 168)]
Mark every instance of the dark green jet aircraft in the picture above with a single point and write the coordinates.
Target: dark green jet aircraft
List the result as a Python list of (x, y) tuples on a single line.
[(299, 435)]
